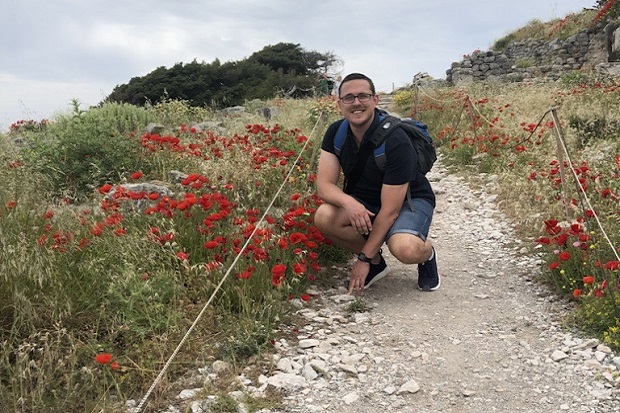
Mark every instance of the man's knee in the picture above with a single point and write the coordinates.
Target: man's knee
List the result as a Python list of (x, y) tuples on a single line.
[(409, 249), (323, 216)]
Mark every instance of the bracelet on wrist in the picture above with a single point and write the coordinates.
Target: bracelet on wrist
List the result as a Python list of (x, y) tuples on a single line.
[(363, 257)]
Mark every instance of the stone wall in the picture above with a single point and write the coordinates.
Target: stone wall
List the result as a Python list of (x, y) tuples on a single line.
[(539, 59)]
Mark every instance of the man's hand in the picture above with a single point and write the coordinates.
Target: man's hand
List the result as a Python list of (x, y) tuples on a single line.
[(359, 217), (359, 272)]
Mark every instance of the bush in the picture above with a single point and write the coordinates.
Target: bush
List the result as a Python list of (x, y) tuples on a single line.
[(82, 151)]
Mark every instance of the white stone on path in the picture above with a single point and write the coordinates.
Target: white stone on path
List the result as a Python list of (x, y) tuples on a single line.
[(351, 398), (410, 387)]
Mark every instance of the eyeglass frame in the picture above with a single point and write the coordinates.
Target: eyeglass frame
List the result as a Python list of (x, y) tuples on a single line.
[(367, 97)]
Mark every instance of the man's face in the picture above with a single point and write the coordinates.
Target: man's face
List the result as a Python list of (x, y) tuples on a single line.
[(358, 113)]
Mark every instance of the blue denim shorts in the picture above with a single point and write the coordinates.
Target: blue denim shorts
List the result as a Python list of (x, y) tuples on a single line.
[(413, 219)]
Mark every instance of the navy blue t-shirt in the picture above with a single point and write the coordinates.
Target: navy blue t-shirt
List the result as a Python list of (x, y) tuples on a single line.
[(401, 165)]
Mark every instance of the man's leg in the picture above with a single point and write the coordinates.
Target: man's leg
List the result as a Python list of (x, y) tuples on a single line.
[(408, 242), (407, 239), (409, 248), (334, 224)]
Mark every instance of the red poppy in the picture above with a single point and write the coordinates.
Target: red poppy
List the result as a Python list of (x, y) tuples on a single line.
[(577, 293), (97, 229), (588, 279), (612, 265), (103, 358), (105, 189), (182, 255), (120, 231), (282, 243), (48, 214), (277, 274), (552, 227), (297, 237), (246, 274), (305, 297), (211, 244), (564, 256), (114, 365), (554, 265), (299, 268), (137, 175)]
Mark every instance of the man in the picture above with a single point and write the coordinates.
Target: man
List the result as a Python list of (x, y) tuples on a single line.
[(376, 209)]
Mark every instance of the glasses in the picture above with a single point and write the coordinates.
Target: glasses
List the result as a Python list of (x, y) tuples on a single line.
[(362, 97)]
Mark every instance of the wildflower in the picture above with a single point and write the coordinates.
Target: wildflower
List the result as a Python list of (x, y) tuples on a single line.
[(564, 256), (577, 292), (105, 189), (211, 244), (136, 175), (299, 268), (588, 279), (612, 265), (297, 237), (103, 358), (183, 256), (278, 274), (246, 274)]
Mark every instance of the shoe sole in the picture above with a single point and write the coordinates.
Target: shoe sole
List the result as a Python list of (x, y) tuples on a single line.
[(382, 274), (431, 289)]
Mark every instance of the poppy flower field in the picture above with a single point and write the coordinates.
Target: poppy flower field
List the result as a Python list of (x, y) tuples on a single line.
[(98, 290)]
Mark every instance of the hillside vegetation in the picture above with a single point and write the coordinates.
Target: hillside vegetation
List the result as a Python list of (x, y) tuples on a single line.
[(588, 19)]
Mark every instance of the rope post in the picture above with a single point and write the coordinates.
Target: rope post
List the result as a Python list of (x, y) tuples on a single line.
[(559, 143), (470, 106), (416, 97)]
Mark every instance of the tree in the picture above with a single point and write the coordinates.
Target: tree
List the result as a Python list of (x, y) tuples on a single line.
[(283, 66)]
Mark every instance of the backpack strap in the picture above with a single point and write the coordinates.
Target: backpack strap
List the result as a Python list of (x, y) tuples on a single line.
[(341, 136), (387, 125)]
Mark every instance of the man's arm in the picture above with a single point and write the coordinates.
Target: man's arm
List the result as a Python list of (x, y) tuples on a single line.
[(392, 198), (328, 190)]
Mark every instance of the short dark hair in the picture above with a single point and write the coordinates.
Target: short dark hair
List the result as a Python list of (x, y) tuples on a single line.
[(357, 76)]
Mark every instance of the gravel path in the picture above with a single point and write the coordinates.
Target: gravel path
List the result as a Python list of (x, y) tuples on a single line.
[(490, 340)]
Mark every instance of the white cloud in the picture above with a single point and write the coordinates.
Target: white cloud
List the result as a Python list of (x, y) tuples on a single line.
[(53, 51)]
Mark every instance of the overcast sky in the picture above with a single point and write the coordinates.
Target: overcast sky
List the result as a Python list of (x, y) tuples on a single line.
[(55, 50)]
